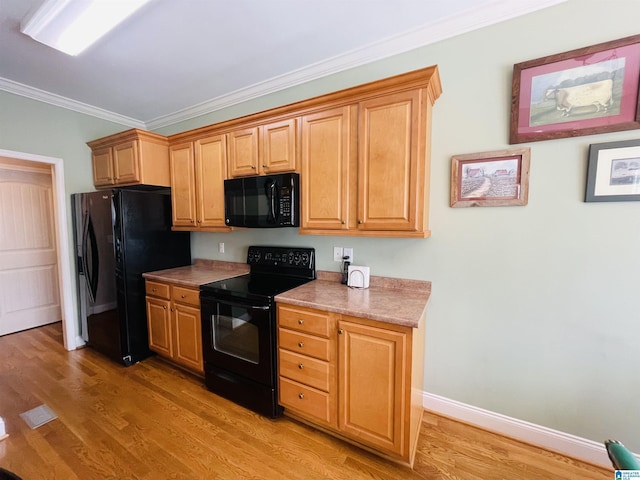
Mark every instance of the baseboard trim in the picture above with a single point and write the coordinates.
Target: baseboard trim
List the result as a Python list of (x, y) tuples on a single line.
[(564, 443)]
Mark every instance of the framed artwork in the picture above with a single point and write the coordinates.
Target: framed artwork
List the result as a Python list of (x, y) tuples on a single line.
[(490, 179), (613, 174), (582, 92)]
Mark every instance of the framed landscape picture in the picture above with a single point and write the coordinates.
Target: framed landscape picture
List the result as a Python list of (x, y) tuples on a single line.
[(613, 174), (582, 92), (490, 179)]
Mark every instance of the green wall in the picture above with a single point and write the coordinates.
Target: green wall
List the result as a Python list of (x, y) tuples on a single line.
[(534, 312)]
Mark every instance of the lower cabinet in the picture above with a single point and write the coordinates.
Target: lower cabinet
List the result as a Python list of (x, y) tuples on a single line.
[(173, 319), (359, 379)]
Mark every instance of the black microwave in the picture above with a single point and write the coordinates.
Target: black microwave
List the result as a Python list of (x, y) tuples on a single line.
[(262, 202)]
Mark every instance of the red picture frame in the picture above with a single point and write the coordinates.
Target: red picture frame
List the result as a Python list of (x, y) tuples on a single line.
[(581, 92)]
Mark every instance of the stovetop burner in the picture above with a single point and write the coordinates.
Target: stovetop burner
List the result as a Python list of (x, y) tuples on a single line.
[(273, 270)]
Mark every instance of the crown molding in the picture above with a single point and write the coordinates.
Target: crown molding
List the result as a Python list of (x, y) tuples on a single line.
[(64, 102), (486, 14)]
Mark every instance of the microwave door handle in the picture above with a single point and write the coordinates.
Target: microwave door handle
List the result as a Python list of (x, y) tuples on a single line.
[(271, 189)]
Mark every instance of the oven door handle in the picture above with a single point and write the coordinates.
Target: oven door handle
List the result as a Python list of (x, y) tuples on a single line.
[(245, 305)]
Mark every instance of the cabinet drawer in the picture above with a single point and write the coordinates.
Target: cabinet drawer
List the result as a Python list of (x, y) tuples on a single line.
[(186, 295), (305, 400), (308, 321), (157, 289), (304, 344), (303, 369)]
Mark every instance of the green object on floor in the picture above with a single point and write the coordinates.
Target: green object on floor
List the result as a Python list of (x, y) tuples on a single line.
[(621, 458)]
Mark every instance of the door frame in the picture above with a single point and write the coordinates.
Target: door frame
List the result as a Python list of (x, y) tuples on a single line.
[(69, 328)]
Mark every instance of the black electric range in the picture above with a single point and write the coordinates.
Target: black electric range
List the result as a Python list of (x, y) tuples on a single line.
[(239, 325)]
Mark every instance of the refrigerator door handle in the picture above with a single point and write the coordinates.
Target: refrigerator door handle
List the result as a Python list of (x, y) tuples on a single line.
[(90, 275)]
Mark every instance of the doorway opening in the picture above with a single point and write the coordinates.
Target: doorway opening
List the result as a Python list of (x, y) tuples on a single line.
[(69, 327)]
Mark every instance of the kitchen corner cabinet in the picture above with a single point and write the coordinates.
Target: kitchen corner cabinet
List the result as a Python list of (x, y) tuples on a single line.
[(198, 170), (131, 157), (263, 149), (173, 320), (359, 379)]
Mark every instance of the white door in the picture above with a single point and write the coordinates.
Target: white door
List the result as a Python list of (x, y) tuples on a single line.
[(29, 290)]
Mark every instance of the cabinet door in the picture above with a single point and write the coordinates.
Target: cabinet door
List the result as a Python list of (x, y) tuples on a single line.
[(243, 152), (325, 160), (211, 172), (188, 337), (102, 159), (372, 380), (388, 173), (159, 324), (183, 195), (126, 162), (278, 152)]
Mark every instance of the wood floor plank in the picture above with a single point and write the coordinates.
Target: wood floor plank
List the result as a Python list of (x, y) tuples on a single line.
[(152, 421)]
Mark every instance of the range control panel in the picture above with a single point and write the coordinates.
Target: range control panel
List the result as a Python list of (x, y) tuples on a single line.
[(298, 257)]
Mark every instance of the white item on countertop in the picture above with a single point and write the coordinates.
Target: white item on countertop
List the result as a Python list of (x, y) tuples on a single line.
[(358, 277)]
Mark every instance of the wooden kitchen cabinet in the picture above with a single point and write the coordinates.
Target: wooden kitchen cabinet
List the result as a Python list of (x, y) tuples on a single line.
[(359, 379), (263, 149), (198, 170), (131, 157), (307, 363), (173, 318), (326, 166), (365, 167)]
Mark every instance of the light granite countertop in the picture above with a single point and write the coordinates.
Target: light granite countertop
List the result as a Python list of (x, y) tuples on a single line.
[(390, 300), (202, 271)]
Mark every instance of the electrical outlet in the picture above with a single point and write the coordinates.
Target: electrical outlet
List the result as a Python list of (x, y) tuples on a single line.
[(220, 247), (348, 252), (337, 254)]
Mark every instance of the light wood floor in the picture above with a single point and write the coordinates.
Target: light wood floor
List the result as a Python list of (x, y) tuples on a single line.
[(151, 421)]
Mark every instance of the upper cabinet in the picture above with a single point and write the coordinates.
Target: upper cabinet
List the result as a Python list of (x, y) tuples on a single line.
[(363, 155), (263, 149), (198, 171), (365, 165), (131, 157)]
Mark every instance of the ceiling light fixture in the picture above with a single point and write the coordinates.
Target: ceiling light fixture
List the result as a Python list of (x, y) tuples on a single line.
[(72, 25)]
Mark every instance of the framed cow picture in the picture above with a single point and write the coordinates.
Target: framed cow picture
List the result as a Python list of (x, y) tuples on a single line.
[(490, 179), (582, 92)]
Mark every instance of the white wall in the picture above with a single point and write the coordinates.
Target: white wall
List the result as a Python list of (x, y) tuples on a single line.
[(534, 312)]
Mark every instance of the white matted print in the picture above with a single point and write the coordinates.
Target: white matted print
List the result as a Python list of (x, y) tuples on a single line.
[(613, 174)]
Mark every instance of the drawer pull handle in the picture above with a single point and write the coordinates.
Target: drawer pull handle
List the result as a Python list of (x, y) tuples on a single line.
[(340, 332), (154, 289), (183, 296), (301, 344), (300, 366), (300, 321), (301, 396)]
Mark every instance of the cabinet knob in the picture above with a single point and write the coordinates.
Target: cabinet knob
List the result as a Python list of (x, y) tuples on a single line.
[(264, 166), (301, 396), (343, 222), (300, 321), (360, 222), (300, 366), (340, 332), (183, 296), (154, 289), (173, 309), (164, 306), (301, 344), (253, 167)]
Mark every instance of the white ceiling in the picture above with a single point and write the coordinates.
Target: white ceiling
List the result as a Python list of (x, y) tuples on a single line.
[(176, 59)]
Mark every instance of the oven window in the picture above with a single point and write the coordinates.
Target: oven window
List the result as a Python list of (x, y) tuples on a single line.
[(234, 335)]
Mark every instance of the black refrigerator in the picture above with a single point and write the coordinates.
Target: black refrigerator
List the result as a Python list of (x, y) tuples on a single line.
[(120, 234)]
